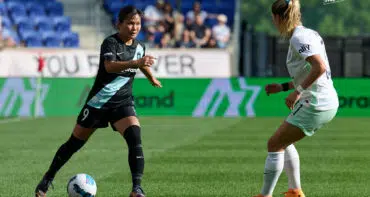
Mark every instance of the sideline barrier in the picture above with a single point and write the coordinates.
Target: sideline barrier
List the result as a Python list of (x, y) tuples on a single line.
[(228, 97), (78, 63)]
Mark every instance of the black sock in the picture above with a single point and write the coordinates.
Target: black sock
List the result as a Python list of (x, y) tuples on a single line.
[(135, 154), (63, 154)]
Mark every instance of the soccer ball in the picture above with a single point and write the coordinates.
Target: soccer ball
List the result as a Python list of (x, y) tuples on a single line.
[(81, 185)]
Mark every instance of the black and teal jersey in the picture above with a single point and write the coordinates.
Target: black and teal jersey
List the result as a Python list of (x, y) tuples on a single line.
[(111, 90)]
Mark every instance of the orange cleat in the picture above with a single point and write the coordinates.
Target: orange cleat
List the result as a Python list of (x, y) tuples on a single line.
[(259, 195), (294, 193)]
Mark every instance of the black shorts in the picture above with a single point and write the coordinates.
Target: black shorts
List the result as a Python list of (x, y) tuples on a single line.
[(91, 117)]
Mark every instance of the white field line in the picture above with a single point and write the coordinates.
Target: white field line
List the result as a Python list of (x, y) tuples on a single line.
[(13, 120)]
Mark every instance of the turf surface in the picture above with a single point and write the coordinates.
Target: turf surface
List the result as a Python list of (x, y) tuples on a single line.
[(187, 157)]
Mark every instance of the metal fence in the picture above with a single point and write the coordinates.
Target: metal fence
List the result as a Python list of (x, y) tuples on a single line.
[(265, 56)]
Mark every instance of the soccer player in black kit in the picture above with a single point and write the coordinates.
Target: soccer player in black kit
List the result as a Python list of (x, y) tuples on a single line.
[(111, 101)]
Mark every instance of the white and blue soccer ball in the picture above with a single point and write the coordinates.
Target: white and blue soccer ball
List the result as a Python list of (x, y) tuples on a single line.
[(81, 185)]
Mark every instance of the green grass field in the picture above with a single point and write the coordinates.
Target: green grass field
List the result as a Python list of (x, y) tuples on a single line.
[(187, 157)]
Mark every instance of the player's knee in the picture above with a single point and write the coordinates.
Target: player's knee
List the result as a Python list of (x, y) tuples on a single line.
[(82, 133), (74, 144), (133, 136), (271, 145)]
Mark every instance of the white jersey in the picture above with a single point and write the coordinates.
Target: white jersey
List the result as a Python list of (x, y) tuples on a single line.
[(321, 95)]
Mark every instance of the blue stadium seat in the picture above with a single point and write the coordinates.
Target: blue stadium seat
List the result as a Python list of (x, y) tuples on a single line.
[(13, 16), (33, 41), (229, 6), (2, 9), (173, 3), (116, 6), (141, 36), (157, 37), (106, 4), (25, 26), (210, 7), (62, 23), (140, 5), (44, 1), (47, 16), (26, 23), (52, 42), (44, 24), (20, 1), (38, 19), (69, 34), (16, 8), (210, 22), (54, 8), (150, 2), (35, 9), (70, 40), (61, 19), (60, 28), (115, 17), (186, 6), (20, 19), (61, 32), (50, 39), (45, 34), (6, 22), (226, 1), (25, 34)]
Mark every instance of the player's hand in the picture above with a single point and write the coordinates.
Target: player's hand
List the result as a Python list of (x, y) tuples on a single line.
[(292, 98), (273, 88), (156, 83), (146, 61)]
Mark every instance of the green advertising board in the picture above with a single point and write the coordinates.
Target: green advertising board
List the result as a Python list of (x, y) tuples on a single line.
[(178, 97)]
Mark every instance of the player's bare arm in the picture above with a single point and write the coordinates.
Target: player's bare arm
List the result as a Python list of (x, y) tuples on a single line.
[(317, 69), (148, 74), (274, 88)]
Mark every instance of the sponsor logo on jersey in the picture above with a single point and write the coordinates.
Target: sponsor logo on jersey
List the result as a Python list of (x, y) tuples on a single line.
[(131, 70), (108, 54), (305, 47)]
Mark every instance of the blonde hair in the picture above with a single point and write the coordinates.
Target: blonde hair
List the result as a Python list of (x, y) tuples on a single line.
[(289, 12)]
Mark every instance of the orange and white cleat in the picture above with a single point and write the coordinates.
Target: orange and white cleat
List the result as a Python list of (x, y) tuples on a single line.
[(259, 195), (294, 193)]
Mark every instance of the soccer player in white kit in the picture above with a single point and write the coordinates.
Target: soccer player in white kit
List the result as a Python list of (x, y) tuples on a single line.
[(313, 101)]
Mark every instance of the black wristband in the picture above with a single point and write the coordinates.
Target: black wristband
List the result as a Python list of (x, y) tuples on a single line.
[(285, 86)]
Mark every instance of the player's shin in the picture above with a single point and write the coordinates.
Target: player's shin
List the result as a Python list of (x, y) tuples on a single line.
[(273, 167), (63, 154), (291, 167), (135, 154)]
